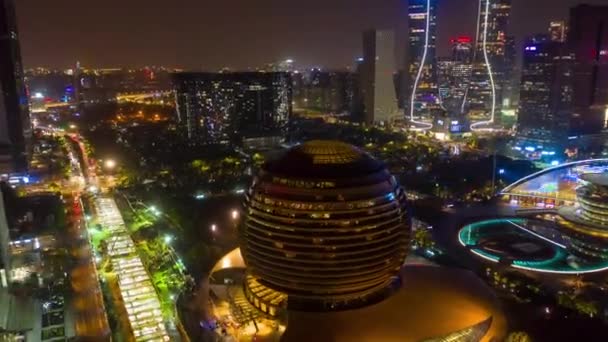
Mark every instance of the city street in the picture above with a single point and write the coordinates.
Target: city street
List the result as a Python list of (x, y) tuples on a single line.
[(88, 305)]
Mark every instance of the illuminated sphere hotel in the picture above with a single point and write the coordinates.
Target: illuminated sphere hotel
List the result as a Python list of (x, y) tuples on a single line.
[(326, 225), (324, 240)]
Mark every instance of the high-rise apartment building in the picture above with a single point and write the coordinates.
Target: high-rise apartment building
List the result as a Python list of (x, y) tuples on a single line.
[(229, 107), (15, 129), (377, 70), (545, 91), (588, 39), (423, 97), (490, 67), (326, 91)]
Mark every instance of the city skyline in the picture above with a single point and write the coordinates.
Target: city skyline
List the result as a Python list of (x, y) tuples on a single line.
[(149, 33)]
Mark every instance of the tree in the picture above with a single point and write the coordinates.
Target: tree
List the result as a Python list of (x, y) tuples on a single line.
[(518, 336)]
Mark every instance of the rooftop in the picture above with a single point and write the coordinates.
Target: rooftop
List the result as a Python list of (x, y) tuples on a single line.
[(324, 159), (600, 179)]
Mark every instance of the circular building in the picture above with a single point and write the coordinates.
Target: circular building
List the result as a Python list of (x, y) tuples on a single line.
[(325, 229), (592, 196), (587, 224)]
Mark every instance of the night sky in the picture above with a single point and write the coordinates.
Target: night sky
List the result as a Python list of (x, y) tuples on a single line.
[(209, 34)]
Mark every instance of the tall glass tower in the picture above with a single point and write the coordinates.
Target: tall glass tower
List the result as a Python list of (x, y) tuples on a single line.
[(15, 129), (490, 67), (421, 62)]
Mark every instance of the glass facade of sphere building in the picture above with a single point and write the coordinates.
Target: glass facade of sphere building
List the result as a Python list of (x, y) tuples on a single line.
[(326, 225)]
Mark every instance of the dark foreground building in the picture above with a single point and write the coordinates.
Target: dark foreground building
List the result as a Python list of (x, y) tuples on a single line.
[(588, 39), (15, 130), (231, 107)]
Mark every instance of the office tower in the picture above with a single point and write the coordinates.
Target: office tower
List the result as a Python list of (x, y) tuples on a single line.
[(325, 91), (15, 129), (558, 31), (462, 49), (376, 77), (588, 39), (453, 79), (510, 77), (378, 67), (230, 107), (545, 92), (421, 63), (485, 93)]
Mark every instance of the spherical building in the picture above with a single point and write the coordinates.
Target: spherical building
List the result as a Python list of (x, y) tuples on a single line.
[(325, 229)]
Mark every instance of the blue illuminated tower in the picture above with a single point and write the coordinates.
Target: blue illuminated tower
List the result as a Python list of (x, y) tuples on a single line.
[(422, 35)]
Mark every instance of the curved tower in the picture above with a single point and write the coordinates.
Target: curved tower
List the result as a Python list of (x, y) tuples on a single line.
[(422, 28), (490, 67), (326, 228)]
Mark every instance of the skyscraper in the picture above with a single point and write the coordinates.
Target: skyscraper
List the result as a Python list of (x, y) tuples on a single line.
[(545, 91), (588, 39), (15, 130), (229, 107), (558, 31), (377, 69), (489, 69), (462, 49), (422, 52)]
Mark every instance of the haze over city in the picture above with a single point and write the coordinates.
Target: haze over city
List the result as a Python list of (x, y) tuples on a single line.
[(240, 34)]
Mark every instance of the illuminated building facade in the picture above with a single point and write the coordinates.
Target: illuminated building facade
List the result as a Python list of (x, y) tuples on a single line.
[(377, 70), (422, 16), (462, 49), (588, 40), (545, 91), (15, 129), (592, 196), (325, 91), (326, 226), (577, 196), (558, 31), (454, 79), (488, 77), (228, 107)]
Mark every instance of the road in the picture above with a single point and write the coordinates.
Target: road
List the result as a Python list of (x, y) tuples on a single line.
[(88, 305)]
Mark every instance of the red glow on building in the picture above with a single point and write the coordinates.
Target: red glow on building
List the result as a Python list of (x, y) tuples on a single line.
[(461, 40)]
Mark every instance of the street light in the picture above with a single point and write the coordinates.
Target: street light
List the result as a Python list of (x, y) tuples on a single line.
[(168, 239), (213, 227), (109, 164), (235, 214)]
